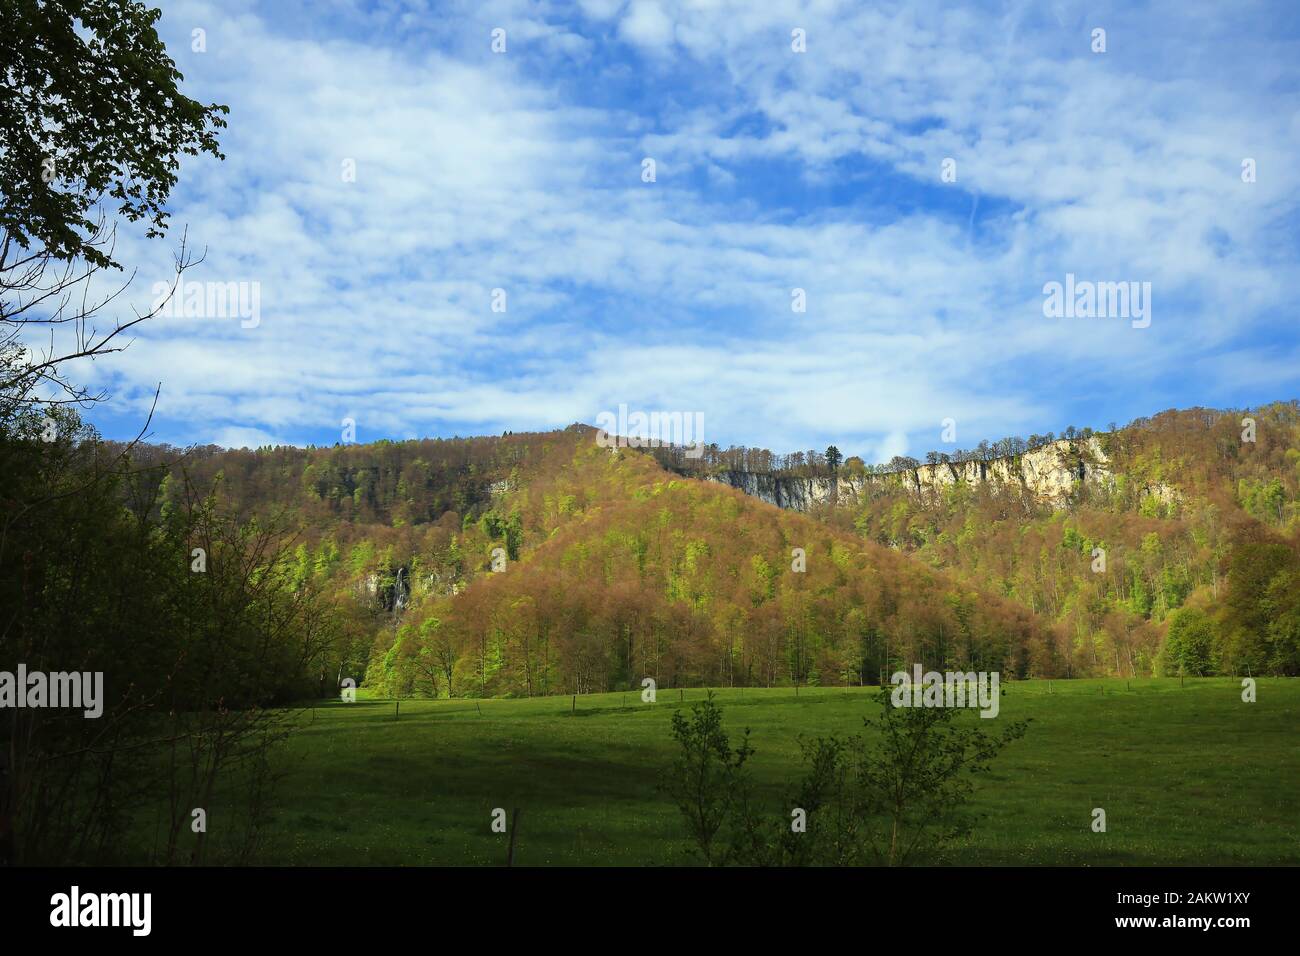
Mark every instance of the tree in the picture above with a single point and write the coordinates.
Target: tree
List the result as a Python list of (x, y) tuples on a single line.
[(1248, 612), (91, 112), (92, 126), (833, 458), (898, 796), (903, 796), (706, 776), (1189, 646), (1283, 599)]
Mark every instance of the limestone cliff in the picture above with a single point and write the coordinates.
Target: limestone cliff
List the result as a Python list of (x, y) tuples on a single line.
[(1049, 473)]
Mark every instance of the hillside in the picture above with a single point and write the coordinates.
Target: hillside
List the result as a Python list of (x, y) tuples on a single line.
[(634, 572), (1184, 523), (611, 570), (1073, 557)]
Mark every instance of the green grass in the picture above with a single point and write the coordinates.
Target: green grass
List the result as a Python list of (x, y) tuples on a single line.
[(1187, 775)]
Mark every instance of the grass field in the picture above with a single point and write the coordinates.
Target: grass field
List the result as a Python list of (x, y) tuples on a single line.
[(1187, 775)]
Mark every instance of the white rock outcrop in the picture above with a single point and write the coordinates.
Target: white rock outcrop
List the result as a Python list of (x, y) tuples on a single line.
[(1049, 473)]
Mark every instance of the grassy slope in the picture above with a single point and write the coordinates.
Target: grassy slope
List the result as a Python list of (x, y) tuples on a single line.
[(1187, 776)]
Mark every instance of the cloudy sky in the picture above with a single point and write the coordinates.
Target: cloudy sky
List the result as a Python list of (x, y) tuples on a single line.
[(774, 170)]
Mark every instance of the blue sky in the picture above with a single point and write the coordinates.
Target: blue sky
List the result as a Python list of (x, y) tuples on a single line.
[(775, 170)]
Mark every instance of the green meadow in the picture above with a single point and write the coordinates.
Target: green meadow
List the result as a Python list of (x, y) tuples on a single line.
[(1187, 774)]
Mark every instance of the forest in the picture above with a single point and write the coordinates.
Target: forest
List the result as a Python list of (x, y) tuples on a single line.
[(535, 564)]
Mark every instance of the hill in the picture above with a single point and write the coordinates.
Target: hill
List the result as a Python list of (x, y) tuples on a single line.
[(1183, 525), (608, 569), (1165, 547)]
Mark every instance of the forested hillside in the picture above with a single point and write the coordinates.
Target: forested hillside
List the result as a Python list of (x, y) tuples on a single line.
[(542, 563), (628, 572), (1209, 560), (608, 569)]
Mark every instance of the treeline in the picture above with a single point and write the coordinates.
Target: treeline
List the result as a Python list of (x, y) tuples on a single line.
[(384, 482), (712, 458)]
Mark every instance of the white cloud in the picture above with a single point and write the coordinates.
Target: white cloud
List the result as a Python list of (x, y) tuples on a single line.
[(477, 171), (646, 24)]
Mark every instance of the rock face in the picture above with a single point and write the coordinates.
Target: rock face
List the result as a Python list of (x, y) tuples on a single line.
[(393, 596), (1049, 473)]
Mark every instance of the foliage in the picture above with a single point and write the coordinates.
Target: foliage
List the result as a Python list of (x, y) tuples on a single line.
[(91, 114), (897, 795), (191, 660), (706, 776)]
